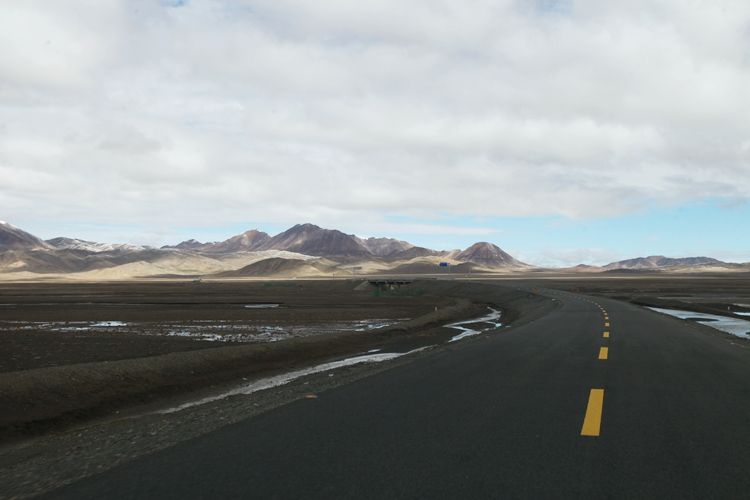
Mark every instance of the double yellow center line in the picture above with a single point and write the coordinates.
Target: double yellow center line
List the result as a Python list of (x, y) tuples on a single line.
[(592, 421)]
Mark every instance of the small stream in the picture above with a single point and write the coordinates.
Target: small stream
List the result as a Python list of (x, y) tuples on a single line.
[(490, 320), (285, 378)]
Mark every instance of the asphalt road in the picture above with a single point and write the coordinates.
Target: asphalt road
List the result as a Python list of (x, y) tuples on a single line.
[(494, 417)]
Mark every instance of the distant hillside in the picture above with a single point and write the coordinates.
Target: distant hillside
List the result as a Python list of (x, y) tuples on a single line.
[(412, 253), (277, 266), (300, 251), (252, 253), (310, 239), (62, 243), (488, 255), (384, 247), (661, 262), (189, 245), (13, 238), (245, 242)]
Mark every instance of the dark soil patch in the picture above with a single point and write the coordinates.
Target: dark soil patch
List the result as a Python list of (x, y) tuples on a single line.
[(39, 399)]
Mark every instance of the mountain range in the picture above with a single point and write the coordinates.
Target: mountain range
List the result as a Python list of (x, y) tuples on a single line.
[(306, 239), (661, 262), (304, 250)]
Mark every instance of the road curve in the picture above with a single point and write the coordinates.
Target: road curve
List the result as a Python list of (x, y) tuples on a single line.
[(508, 415)]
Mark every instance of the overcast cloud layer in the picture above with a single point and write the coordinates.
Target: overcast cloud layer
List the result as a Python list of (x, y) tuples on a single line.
[(344, 113)]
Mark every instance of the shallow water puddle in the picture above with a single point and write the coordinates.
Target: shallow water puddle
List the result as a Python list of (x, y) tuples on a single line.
[(108, 324), (206, 330), (734, 326)]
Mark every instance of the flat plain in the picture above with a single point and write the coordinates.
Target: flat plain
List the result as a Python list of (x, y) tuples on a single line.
[(552, 330)]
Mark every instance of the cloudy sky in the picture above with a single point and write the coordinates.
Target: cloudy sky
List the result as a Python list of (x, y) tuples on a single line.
[(565, 131)]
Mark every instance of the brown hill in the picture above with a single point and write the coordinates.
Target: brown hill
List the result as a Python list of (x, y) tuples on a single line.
[(385, 247), (13, 238), (279, 267), (190, 244), (245, 242), (656, 262), (310, 239), (412, 253), (488, 255)]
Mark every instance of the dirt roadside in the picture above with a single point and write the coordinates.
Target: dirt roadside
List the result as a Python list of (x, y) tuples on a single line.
[(45, 399), (42, 463)]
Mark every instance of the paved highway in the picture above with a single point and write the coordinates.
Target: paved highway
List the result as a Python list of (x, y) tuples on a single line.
[(598, 399)]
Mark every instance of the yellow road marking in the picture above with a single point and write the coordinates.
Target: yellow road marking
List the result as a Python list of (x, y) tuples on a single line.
[(603, 352), (592, 422), (605, 335)]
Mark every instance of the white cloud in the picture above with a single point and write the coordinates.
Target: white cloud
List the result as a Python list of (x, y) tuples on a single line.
[(344, 112)]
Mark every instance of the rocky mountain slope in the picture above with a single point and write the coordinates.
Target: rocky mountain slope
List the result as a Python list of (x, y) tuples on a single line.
[(62, 243), (310, 239), (384, 247), (14, 238), (245, 242), (280, 267), (302, 250), (488, 255)]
